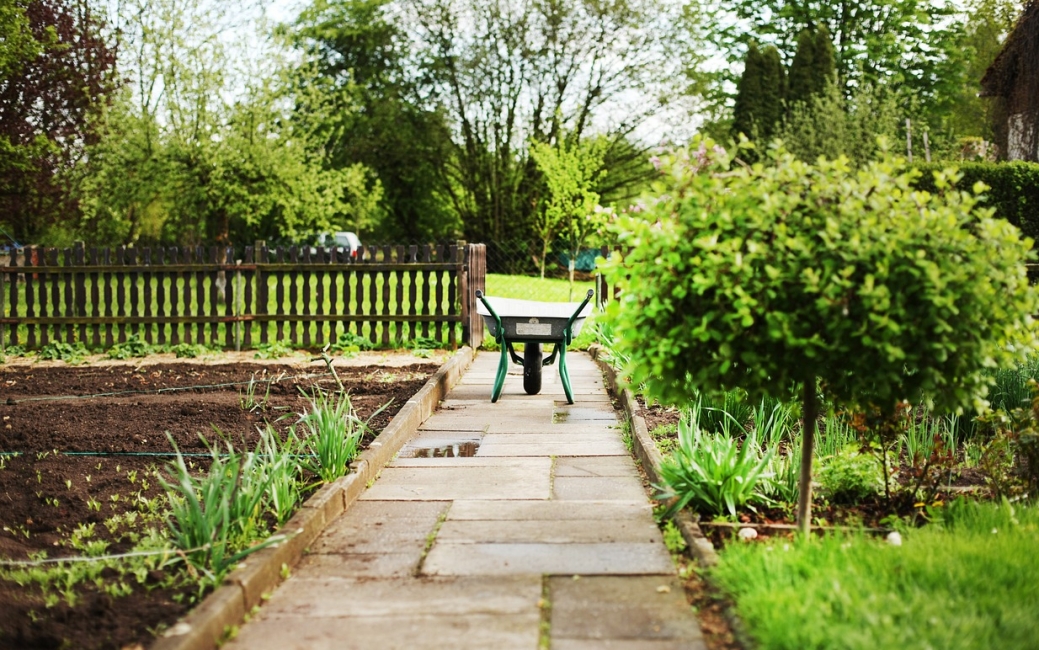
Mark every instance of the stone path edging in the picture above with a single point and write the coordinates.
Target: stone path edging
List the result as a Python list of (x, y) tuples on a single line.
[(245, 587), (647, 454)]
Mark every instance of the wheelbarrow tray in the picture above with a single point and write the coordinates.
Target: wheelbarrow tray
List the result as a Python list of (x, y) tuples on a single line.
[(533, 320)]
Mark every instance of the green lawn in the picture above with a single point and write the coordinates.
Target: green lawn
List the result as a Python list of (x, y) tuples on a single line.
[(970, 583)]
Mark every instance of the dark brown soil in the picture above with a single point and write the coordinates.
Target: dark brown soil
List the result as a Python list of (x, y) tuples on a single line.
[(107, 417)]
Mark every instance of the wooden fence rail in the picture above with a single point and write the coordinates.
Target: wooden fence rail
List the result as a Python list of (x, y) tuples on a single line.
[(388, 295)]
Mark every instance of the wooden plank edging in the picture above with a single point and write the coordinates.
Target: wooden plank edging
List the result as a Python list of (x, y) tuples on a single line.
[(204, 628), (646, 452)]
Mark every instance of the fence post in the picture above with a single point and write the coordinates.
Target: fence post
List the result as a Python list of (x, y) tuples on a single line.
[(475, 279), (3, 309)]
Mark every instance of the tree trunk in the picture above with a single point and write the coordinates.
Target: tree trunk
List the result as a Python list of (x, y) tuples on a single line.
[(811, 413)]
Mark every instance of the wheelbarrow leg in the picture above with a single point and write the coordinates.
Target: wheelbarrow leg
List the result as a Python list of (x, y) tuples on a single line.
[(564, 374), (503, 367)]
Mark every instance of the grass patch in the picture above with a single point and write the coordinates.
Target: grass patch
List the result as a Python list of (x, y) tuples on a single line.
[(968, 581)]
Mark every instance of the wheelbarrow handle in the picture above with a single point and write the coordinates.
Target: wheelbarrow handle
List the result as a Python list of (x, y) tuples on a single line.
[(497, 319), (570, 323)]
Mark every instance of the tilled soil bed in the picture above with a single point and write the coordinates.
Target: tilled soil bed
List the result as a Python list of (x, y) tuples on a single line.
[(89, 440)]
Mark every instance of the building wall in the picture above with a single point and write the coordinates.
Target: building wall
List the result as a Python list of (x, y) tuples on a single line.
[(1021, 138)]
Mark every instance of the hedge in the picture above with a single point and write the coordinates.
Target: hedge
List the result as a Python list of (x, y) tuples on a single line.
[(1014, 193)]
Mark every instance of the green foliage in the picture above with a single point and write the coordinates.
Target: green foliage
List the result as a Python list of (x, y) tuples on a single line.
[(759, 95), (968, 582), (812, 68), (570, 204), (215, 519), (1012, 189), (71, 353), (763, 277), (273, 350), (715, 473), (333, 433), (828, 125), (130, 348), (673, 538), (851, 477), (1010, 458), (366, 109), (350, 344), (189, 350)]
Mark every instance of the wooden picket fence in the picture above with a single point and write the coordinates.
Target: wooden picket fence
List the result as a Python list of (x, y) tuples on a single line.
[(388, 295)]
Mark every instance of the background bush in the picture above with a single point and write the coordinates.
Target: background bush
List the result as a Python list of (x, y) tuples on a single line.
[(1013, 193)]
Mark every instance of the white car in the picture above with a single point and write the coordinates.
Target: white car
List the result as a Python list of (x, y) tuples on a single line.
[(344, 241)]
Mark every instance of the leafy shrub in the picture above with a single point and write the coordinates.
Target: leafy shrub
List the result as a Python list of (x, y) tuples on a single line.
[(133, 347), (714, 473), (1013, 189), (189, 350), (787, 273), (273, 350), (850, 477), (71, 353), (350, 344)]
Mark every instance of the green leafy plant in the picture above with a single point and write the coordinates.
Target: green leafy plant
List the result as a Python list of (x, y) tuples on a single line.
[(189, 350), (850, 477), (842, 281), (71, 353), (273, 350), (281, 467), (714, 473), (214, 519), (248, 398), (350, 344), (132, 347), (332, 433)]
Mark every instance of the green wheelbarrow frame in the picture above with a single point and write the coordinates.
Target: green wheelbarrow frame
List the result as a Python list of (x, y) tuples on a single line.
[(532, 330)]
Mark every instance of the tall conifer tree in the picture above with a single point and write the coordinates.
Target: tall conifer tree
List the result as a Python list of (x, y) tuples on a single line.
[(749, 95), (802, 69), (773, 82)]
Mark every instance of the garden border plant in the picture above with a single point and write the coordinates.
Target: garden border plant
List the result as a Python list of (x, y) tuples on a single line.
[(822, 277)]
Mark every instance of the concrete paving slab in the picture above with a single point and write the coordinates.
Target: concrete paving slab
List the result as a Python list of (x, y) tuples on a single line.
[(360, 565), (585, 413), (622, 644), (341, 597), (622, 488), (524, 462), (603, 436), (380, 532), (612, 511), (551, 559), (450, 483), (471, 632), (595, 466), (607, 607), (554, 448), (581, 531), (560, 429)]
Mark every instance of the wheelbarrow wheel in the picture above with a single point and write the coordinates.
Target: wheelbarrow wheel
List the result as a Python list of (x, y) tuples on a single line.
[(532, 368)]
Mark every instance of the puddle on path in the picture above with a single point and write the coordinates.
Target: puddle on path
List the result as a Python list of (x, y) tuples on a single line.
[(460, 449)]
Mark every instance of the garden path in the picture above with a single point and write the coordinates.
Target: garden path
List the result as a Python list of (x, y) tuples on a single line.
[(502, 526)]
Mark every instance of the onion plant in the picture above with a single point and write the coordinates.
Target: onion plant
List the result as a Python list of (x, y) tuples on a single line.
[(214, 519), (281, 467), (715, 473), (332, 434)]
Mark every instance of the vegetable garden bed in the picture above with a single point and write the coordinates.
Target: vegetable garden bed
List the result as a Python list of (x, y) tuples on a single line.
[(83, 449)]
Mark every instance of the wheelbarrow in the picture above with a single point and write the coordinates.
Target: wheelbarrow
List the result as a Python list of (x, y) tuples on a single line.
[(532, 323)]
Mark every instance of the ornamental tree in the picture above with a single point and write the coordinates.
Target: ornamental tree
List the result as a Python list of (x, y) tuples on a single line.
[(820, 276)]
